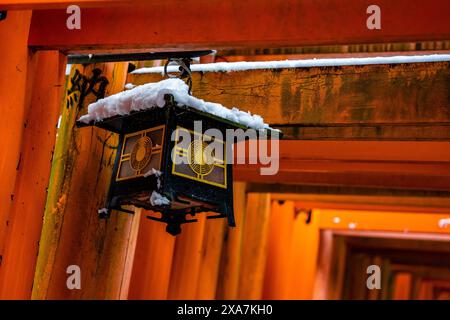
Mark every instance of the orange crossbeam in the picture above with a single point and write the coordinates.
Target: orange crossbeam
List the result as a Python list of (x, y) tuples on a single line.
[(200, 24), (378, 164)]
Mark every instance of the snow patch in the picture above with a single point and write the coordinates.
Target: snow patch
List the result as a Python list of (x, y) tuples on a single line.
[(68, 68), (443, 223), (103, 211), (129, 86), (158, 200), (157, 174), (306, 63), (153, 171), (151, 95)]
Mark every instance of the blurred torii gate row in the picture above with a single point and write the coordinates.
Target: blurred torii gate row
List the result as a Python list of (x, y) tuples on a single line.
[(31, 86)]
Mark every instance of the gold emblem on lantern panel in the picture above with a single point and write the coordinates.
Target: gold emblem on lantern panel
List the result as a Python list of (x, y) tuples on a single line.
[(141, 152), (199, 159)]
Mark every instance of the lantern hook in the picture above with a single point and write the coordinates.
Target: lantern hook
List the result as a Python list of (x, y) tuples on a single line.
[(184, 67)]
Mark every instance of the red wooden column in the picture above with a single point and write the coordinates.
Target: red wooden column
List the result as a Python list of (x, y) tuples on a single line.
[(47, 75), (13, 93)]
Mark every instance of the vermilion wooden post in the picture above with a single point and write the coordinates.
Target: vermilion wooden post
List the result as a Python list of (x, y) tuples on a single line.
[(14, 59), (72, 233), (152, 263), (210, 258), (186, 261), (46, 70), (254, 246), (228, 279), (281, 230)]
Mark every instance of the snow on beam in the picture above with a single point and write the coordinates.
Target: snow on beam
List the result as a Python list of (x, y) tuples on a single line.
[(307, 63), (242, 24)]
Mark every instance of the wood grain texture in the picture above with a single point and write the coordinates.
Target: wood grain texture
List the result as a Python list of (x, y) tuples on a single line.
[(130, 253), (254, 247), (372, 102), (14, 60), (357, 50), (46, 70), (152, 263), (186, 263), (213, 242), (72, 234), (230, 263), (277, 278)]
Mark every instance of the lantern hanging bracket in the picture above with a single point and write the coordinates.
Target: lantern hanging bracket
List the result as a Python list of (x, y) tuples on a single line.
[(184, 68)]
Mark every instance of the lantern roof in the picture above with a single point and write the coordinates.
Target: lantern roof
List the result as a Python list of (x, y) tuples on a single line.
[(110, 112)]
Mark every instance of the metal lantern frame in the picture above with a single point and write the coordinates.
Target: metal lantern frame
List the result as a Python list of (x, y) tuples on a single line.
[(188, 195)]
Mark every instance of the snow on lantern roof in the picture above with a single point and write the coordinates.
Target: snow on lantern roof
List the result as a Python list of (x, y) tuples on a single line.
[(151, 95), (306, 63)]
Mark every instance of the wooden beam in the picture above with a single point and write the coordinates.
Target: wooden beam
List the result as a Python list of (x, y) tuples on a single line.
[(426, 198), (241, 24), (366, 164), (371, 102), (60, 4), (378, 49)]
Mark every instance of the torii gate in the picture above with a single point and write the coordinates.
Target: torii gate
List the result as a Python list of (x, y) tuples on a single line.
[(34, 42)]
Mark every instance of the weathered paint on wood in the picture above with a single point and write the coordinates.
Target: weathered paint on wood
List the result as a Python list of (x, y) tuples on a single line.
[(46, 70), (72, 233), (372, 102), (14, 60), (130, 253)]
